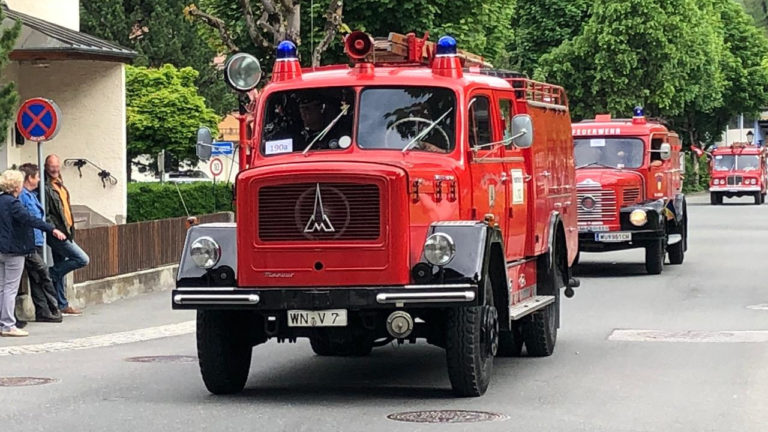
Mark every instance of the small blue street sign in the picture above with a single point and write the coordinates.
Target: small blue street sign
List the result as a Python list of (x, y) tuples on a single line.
[(222, 148)]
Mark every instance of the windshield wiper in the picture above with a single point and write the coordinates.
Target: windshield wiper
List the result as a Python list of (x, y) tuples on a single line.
[(596, 163), (426, 131), (327, 129)]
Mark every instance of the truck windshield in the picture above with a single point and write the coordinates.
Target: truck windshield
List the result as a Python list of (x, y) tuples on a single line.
[(734, 162), (392, 118), (318, 119), (608, 152)]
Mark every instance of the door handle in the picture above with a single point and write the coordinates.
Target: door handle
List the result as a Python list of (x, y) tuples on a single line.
[(504, 177), (545, 174)]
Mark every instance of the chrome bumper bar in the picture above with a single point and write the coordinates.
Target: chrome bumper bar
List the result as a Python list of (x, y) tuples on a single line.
[(216, 299), (425, 297)]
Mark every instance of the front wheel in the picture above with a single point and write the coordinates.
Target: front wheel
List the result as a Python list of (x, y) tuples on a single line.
[(758, 198), (654, 257), (472, 340), (223, 350), (715, 198)]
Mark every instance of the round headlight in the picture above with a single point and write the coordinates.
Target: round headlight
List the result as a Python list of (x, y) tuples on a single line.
[(242, 72), (439, 249), (638, 217), (205, 252)]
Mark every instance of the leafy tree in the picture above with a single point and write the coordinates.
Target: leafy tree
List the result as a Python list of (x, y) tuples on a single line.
[(542, 25), (639, 52), (159, 32), (8, 96), (483, 27), (164, 111)]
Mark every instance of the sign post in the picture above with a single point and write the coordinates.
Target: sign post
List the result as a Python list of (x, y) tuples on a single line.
[(217, 167), (38, 120)]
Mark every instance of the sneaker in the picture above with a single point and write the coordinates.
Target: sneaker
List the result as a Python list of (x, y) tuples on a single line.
[(70, 311), (14, 332)]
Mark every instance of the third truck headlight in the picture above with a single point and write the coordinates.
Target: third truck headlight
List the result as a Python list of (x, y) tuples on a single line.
[(638, 217), (439, 249), (205, 252)]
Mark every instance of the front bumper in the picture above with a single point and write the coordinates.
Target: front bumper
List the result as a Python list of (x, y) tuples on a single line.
[(735, 189), (316, 298), (640, 238)]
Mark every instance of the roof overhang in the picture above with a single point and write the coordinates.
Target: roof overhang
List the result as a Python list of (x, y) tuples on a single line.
[(41, 40)]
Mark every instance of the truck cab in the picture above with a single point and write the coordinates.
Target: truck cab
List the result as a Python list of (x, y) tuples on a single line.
[(414, 194), (737, 170), (629, 176)]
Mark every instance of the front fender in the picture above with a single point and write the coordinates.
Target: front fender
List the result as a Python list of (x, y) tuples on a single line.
[(224, 272)]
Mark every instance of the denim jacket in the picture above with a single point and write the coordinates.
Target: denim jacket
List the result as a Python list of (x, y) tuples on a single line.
[(30, 201)]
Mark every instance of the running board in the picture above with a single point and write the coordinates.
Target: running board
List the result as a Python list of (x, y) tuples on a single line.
[(529, 306)]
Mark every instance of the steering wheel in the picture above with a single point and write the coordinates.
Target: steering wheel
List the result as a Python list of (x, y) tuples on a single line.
[(417, 120)]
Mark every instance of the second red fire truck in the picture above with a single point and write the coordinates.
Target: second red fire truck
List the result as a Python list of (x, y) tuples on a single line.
[(629, 175), (415, 194), (738, 170)]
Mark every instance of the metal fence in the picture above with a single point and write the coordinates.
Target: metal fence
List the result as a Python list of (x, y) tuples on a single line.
[(121, 249)]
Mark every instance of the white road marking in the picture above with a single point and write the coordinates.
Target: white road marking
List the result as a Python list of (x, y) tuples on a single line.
[(102, 341), (763, 306), (735, 336)]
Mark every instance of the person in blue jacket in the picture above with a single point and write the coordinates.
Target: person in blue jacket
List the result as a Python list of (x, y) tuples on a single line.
[(41, 286), (17, 240)]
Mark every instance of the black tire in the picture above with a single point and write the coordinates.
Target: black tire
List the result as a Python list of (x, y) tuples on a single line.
[(353, 346), (540, 328), (677, 251), (762, 198), (758, 198), (654, 257), (577, 259), (472, 339), (223, 350), (511, 342), (715, 198)]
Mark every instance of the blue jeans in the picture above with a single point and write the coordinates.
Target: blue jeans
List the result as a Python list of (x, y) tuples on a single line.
[(67, 256)]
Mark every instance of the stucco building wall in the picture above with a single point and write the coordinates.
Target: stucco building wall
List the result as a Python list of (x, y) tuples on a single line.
[(91, 96), (62, 12)]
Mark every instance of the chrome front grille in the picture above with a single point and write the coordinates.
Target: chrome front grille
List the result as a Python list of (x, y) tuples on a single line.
[(605, 208), (735, 180), (319, 212)]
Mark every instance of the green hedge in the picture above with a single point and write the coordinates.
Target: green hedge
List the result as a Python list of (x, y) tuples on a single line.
[(689, 182), (151, 201)]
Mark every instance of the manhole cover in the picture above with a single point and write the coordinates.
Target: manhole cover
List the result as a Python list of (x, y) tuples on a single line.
[(24, 381), (163, 359), (446, 416)]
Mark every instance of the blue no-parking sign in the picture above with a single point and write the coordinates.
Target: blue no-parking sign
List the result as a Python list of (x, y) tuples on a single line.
[(38, 119)]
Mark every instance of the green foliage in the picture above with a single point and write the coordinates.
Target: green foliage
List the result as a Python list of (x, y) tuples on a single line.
[(8, 96), (542, 25), (482, 27), (159, 32), (164, 111), (151, 201), (690, 182), (638, 52)]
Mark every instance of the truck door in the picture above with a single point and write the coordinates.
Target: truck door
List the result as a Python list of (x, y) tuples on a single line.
[(489, 180), (658, 182), (514, 165)]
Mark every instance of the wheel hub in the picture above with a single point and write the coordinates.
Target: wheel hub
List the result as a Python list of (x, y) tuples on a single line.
[(490, 331)]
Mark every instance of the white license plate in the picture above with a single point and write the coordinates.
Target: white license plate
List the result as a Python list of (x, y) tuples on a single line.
[(593, 228), (320, 318), (611, 237)]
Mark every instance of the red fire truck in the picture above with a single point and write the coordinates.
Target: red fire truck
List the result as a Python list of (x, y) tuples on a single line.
[(736, 171), (414, 194), (629, 176)]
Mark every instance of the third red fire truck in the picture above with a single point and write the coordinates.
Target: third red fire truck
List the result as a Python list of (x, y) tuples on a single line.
[(738, 170), (416, 193), (629, 175)]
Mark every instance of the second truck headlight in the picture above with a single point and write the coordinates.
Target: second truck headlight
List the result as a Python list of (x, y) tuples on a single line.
[(439, 249), (638, 217)]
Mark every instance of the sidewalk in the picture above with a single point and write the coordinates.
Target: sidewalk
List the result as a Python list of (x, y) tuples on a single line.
[(143, 311)]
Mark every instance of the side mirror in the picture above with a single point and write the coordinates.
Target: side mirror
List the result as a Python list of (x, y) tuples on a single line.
[(204, 143), (666, 151), (522, 131)]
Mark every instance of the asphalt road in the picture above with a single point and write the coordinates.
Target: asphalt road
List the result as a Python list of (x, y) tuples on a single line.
[(705, 369)]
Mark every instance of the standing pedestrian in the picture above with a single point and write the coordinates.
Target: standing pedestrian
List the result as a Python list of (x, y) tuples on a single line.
[(43, 292), (17, 239), (67, 255)]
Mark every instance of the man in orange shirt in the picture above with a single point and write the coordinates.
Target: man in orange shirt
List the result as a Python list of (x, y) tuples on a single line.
[(67, 255)]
